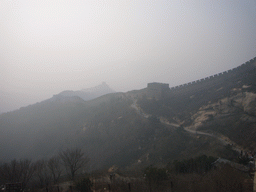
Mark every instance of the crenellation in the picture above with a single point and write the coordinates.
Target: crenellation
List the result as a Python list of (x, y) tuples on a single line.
[(226, 74)]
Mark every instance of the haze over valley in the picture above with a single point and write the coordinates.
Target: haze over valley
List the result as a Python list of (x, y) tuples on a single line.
[(145, 95)]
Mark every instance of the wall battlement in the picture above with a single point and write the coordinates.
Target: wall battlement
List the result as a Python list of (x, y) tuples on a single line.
[(245, 67), (158, 86)]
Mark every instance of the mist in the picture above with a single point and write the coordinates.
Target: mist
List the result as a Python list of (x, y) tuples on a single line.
[(51, 46)]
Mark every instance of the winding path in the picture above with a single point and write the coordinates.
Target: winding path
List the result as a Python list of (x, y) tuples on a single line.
[(222, 139)]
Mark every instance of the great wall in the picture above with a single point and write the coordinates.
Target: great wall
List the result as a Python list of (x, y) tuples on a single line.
[(241, 70), (223, 80)]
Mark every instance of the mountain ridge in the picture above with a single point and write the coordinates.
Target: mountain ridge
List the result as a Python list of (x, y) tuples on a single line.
[(89, 93), (113, 128)]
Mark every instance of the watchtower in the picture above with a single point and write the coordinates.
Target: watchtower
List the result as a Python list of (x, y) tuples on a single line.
[(157, 90)]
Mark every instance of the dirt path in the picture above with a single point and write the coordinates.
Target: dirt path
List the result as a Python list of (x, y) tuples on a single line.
[(138, 109), (224, 140)]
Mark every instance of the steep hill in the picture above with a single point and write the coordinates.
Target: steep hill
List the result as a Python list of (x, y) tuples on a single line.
[(154, 125)]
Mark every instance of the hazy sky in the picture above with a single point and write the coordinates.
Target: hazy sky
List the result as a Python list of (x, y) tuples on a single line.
[(48, 46)]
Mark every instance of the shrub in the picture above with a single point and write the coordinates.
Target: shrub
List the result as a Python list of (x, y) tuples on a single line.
[(84, 185), (155, 175)]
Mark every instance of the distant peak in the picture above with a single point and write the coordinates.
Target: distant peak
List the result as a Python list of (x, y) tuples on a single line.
[(102, 87), (89, 93)]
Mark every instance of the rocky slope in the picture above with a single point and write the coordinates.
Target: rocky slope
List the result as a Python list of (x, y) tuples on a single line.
[(234, 117), (224, 105)]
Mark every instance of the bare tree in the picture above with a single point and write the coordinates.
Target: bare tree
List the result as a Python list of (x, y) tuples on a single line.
[(55, 168), (73, 160), (27, 170), (17, 171), (42, 174)]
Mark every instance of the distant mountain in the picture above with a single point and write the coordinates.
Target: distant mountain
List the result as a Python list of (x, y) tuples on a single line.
[(155, 125), (90, 93), (10, 101)]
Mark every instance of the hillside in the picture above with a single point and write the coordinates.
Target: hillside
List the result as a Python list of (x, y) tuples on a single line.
[(223, 103), (150, 126), (11, 101)]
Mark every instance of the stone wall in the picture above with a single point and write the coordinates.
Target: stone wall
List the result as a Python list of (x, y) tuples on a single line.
[(242, 69), (160, 90)]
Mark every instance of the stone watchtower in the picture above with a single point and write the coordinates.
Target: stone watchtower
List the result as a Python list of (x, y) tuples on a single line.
[(157, 90)]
